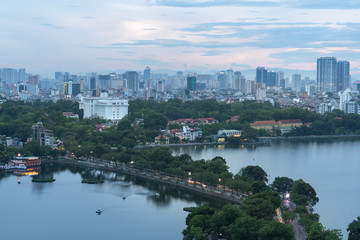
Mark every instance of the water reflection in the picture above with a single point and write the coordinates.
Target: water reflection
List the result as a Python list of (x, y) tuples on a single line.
[(124, 186)]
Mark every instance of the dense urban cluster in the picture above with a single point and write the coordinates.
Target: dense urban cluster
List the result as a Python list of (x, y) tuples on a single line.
[(332, 89)]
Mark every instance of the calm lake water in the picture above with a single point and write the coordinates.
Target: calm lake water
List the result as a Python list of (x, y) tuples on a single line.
[(332, 167), (66, 208)]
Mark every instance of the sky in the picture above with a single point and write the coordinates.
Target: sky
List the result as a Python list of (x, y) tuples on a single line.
[(81, 36)]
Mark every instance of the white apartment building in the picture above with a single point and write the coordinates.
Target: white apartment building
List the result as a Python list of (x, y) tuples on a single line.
[(107, 108)]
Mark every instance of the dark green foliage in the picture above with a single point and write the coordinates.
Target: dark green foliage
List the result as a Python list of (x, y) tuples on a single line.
[(254, 172), (262, 205), (354, 229), (282, 184), (318, 232), (275, 230), (303, 193)]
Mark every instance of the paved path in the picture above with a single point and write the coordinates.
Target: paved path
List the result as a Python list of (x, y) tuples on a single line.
[(220, 191)]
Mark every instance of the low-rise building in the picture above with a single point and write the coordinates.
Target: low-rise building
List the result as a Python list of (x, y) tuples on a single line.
[(162, 139), (70, 115), (268, 125), (229, 133), (283, 125), (43, 136)]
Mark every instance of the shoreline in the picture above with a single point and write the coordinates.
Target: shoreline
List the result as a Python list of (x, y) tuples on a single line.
[(210, 191), (258, 143)]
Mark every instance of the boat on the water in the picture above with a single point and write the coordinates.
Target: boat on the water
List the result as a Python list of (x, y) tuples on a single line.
[(13, 167), (27, 161), (99, 211)]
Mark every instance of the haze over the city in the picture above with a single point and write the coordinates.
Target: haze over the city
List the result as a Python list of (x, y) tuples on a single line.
[(198, 35)]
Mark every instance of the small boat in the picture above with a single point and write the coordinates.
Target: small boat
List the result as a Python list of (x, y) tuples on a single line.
[(99, 211), (157, 194)]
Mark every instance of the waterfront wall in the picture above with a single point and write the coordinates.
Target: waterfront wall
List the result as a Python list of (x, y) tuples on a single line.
[(220, 192)]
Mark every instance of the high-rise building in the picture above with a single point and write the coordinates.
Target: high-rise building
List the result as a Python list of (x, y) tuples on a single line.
[(326, 74), (9, 75), (160, 86), (250, 86), (92, 83), (222, 79), (146, 77), (271, 79), (296, 82), (68, 88), (191, 83), (261, 75), (343, 75), (22, 75), (132, 80), (229, 78), (33, 80), (75, 89), (279, 79), (104, 81), (58, 76), (240, 82), (310, 89)]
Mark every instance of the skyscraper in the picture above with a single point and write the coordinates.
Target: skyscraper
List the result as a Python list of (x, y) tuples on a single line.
[(240, 82), (261, 75), (104, 81), (326, 74), (296, 82), (146, 76), (271, 79), (343, 75), (22, 75), (222, 79), (280, 79), (191, 83), (132, 80), (92, 83)]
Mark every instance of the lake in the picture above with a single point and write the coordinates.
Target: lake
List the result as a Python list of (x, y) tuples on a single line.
[(331, 166), (65, 209)]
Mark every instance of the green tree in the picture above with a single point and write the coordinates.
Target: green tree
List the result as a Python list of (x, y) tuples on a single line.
[(245, 227), (221, 220), (354, 229), (276, 230), (123, 125), (155, 121), (282, 184), (303, 193), (254, 172)]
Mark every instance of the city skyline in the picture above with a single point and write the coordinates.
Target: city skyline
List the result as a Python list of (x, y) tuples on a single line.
[(206, 36)]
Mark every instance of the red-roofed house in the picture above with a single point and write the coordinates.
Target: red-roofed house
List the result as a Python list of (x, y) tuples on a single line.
[(162, 139), (206, 121), (70, 115)]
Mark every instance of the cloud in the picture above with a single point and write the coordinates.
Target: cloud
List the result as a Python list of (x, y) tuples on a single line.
[(215, 53), (210, 3), (92, 18), (50, 25), (310, 4), (310, 55), (238, 65)]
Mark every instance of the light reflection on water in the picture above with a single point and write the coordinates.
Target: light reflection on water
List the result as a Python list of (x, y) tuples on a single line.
[(65, 209)]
